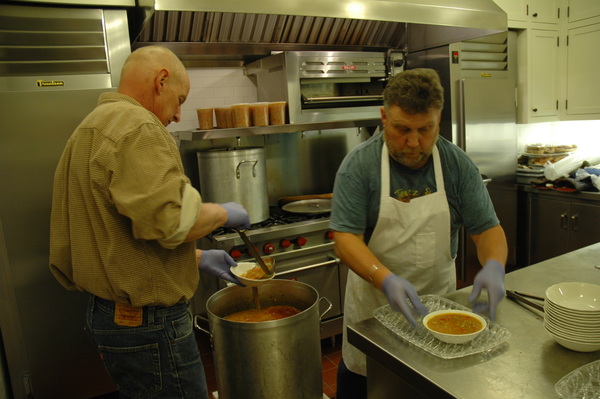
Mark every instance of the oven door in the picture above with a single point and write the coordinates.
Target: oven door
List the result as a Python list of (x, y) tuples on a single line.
[(324, 273)]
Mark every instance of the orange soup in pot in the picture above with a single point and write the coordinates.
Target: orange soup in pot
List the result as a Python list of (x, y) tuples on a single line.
[(267, 314)]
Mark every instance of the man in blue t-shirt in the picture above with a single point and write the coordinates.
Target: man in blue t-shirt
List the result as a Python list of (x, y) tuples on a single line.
[(397, 211)]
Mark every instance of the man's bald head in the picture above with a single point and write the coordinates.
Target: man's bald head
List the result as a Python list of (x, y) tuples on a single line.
[(157, 79)]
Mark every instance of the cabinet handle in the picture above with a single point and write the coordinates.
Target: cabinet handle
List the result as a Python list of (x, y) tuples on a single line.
[(564, 222), (574, 222), (534, 14), (534, 110)]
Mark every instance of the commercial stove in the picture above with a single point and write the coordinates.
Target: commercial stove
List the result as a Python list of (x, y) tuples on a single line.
[(302, 247)]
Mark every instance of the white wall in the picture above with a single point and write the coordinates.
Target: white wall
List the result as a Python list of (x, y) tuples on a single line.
[(214, 87)]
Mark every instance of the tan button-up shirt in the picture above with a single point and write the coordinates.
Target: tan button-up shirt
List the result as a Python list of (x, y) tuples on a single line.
[(117, 191)]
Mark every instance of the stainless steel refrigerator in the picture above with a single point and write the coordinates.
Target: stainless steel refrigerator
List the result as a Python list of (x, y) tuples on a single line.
[(479, 79), (48, 83)]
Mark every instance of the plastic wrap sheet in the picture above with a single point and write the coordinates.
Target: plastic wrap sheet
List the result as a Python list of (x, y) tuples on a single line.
[(493, 336), (582, 383)]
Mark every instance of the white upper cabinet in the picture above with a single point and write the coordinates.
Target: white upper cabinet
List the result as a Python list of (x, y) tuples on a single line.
[(521, 13), (583, 9), (544, 11), (543, 76), (580, 63), (582, 77), (538, 75), (558, 58)]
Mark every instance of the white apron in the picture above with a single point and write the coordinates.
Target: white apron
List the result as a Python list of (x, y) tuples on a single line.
[(412, 239)]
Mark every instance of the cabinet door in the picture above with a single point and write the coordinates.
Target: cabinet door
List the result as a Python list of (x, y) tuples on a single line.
[(543, 11), (585, 225), (549, 221), (583, 9), (543, 73), (583, 64)]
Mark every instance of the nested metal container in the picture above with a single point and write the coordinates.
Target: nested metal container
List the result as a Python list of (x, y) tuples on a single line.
[(238, 175), (269, 359)]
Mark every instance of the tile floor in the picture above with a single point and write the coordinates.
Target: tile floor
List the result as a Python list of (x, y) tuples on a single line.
[(331, 350)]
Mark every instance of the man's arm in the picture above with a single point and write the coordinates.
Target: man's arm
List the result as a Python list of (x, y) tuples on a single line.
[(353, 251), (491, 245)]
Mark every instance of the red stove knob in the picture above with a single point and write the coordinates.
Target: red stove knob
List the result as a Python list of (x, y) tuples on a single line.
[(329, 235), (301, 241), (235, 253), (269, 248), (285, 243)]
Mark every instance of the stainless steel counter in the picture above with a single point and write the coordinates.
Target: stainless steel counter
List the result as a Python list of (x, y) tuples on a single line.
[(526, 366)]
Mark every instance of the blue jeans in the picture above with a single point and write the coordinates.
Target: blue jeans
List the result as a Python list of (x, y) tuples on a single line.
[(159, 359)]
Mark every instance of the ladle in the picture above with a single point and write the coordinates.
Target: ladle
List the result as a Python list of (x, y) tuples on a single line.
[(255, 254)]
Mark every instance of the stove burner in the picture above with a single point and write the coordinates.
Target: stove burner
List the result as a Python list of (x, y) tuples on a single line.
[(277, 216)]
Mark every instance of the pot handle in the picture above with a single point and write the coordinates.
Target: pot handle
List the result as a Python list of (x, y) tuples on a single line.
[(197, 325), (328, 308), (252, 161)]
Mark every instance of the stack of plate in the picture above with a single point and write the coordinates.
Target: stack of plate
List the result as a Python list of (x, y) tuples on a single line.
[(572, 315)]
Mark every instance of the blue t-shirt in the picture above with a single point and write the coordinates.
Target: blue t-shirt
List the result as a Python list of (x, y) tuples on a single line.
[(356, 192)]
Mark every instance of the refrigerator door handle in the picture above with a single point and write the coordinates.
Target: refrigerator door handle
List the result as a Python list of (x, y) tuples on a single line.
[(461, 129)]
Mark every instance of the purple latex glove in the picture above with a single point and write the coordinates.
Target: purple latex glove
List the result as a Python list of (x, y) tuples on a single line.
[(217, 262), (491, 277), (397, 290), (236, 215)]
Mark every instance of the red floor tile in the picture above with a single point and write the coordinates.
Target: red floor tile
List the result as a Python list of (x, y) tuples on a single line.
[(330, 377)]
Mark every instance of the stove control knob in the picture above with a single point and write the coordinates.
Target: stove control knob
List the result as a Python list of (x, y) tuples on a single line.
[(285, 243), (235, 253), (329, 235), (269, 248), (301, 241)]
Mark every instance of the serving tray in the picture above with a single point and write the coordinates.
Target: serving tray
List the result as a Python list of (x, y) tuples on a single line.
[(494, 334), (583, 382)]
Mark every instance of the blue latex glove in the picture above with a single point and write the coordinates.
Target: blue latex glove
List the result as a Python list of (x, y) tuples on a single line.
[(397, 289), (217, 262), (236, 215), (491, 277)]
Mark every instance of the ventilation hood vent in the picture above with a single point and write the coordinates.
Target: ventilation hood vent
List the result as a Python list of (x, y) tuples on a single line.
[(241, 30)]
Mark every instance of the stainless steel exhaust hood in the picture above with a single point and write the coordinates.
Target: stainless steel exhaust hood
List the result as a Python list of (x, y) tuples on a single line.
[(238, 30)]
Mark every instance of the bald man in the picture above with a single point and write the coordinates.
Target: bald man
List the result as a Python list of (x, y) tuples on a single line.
[(123, 224)]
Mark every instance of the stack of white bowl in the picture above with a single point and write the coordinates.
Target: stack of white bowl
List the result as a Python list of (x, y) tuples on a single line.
[(572, 315)]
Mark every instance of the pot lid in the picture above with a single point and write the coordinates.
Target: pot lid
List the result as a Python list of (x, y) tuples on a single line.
[(308, 206)]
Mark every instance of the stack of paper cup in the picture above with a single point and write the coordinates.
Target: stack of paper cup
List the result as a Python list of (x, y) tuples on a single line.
[(205, 118)]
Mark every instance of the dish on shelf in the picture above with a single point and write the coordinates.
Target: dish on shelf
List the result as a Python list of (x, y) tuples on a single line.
[(558, 154), (541, 160), (530, 170), (554, 149), (489, 339)]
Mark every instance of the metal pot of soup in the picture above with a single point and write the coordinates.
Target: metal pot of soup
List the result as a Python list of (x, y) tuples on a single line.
[(278, 358)]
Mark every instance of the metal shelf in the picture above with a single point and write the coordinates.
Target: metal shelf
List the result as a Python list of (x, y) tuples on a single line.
[(191, 135)]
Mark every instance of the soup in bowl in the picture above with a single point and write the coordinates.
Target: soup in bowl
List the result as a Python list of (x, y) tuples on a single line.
[(454, 326)]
